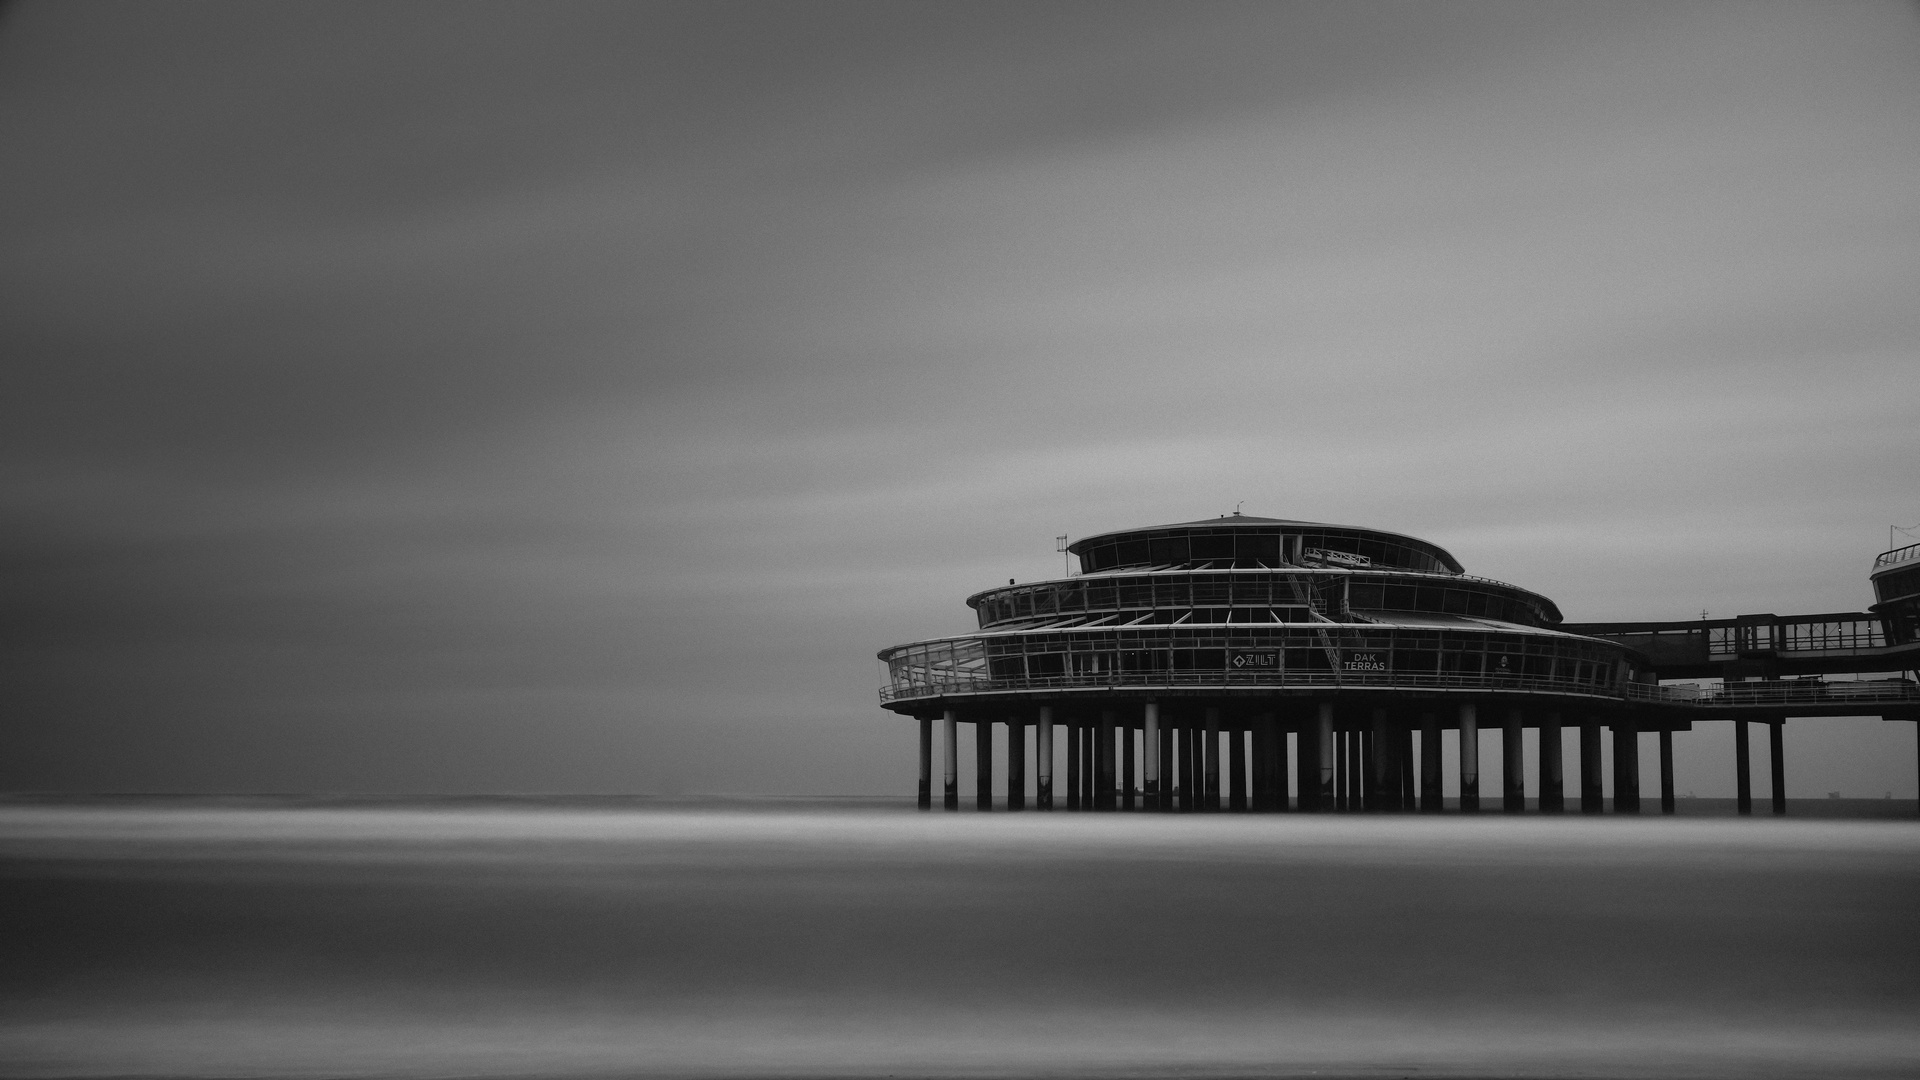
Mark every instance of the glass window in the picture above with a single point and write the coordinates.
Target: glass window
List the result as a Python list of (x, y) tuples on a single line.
[(1256, 550), (1213, 546)]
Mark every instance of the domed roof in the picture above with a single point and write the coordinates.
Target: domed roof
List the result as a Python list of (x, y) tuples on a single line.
[(1117, 548)]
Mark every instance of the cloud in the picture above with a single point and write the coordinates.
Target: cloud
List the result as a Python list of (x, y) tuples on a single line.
[(631, 375)]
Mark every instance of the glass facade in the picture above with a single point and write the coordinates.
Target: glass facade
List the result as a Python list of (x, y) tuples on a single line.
[(1255, 596), (1252, 602), (1258, 546), (1301, 655)]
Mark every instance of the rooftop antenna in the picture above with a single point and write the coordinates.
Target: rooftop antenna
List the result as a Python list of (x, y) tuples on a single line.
[(1060, 545), (1237, 506)]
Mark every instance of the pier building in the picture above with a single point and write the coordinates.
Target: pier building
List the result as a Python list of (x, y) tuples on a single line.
[(1252, 663)]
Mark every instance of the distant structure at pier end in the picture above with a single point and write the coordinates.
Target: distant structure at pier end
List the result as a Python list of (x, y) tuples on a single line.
[(1253, 663)]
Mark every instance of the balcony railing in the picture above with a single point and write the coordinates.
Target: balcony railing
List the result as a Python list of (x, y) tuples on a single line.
[(1779, 692), (1785, 692), (1897, 555), (1525, 684), (1822, 634)]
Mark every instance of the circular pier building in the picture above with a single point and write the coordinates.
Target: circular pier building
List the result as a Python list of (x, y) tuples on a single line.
[(1295, 660)]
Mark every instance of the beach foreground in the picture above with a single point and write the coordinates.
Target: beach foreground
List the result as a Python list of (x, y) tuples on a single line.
[(706, 939)]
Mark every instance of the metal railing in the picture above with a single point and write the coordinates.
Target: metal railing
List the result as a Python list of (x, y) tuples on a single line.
[(1810, 634), (1897, 555), (1281, 680), (1778, 692), (1773, 692)]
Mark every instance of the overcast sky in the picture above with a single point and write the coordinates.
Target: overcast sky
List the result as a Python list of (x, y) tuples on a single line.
[(574, 397)]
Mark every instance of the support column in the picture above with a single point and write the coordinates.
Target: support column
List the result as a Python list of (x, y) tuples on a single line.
[(1129, 786), (1404, 740), (1043, 755), (1169, 775), (1150, 754), (1356, 769), (1193, 773), (1626, 767), (950, 742), (1323, 731), (1236, 769), (1383, 779), (1777, 758), (1189, 773), (1343, 772), (1593, 799), (1073, 766), (1469, 758), (1432, 795), (1277, 763), (1666, 772), (983, 764), (1513, 765), (1553, 788), (1743, 769), (1260, 757), (925, 801), (1211, 756), (1109, 737), (1089, 765), (1306, 763), (1016, 764), (1368, 793)]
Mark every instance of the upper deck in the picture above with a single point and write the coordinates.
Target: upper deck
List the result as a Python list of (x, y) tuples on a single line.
[(1896, 575), (1257, 543)]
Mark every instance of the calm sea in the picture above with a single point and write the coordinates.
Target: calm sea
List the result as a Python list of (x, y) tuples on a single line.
[(743, 939)]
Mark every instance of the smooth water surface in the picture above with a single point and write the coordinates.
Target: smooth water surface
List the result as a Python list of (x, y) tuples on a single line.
[(781, 939)]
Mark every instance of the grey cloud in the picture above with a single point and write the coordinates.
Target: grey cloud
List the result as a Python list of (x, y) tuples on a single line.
[(578, 396)]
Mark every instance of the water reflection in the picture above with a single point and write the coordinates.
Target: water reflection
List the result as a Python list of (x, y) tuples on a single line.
[(781, 939)]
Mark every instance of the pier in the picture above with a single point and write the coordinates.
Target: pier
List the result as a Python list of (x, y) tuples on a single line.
[(1244, 664)]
